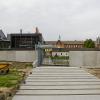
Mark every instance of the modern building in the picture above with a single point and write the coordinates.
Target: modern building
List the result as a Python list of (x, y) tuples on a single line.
[(25, 40)]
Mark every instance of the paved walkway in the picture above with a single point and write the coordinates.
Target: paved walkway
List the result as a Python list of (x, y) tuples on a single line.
[(61, 83)]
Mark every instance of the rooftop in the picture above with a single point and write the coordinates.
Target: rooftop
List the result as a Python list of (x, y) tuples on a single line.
[(65, 42)]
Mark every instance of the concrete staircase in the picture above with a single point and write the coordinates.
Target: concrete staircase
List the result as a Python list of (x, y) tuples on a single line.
[(46, 83)]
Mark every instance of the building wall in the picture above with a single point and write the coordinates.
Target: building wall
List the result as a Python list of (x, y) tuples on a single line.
[(84, 58), (20, 56)]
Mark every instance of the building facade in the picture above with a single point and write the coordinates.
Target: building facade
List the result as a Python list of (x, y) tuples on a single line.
[(25, 40), (29, 40), (66, 44)]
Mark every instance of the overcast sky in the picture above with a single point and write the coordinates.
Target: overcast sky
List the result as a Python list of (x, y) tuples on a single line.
[(72, 19)]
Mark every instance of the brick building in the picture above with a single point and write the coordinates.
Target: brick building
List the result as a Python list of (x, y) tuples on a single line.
[(66, 44)]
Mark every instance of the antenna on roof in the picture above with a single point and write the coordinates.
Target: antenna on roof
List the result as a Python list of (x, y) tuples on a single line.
[(20, 31), (37, 30)]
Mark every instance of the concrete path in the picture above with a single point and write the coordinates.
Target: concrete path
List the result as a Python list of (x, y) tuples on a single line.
[(61, 83)]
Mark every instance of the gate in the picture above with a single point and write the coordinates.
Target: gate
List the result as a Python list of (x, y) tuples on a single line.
[(50, 56)]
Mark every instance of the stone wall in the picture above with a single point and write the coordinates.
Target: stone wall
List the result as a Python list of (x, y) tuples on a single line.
[(18, 55), (84, 58)]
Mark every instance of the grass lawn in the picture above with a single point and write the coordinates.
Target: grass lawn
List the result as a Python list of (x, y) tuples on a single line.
[(11, 79), (15, 74)]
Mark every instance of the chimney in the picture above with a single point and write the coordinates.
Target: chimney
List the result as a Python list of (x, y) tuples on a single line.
[(20, 31), (37, 30)]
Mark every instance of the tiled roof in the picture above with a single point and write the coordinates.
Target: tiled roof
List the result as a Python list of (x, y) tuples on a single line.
[(65, 42)]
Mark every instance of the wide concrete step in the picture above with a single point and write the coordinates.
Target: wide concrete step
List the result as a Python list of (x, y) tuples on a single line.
[(58, 83), (57, 67), (83, 87), (61, 79), (61, 75), (57, 71), (57, 97), (58, 92)]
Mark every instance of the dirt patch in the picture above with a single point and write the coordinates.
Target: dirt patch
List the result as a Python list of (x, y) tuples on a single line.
[(94, 71)]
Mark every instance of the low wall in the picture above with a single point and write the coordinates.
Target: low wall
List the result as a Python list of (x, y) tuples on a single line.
[(18, 55), (84, 58), (77, 58)]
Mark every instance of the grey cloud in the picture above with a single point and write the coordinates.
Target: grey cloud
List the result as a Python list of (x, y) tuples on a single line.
[(73, 19)]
